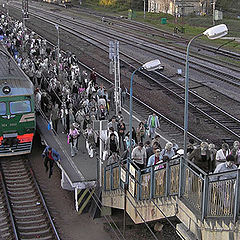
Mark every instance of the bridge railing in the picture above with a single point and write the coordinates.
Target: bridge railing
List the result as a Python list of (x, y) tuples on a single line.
[(208, 195)]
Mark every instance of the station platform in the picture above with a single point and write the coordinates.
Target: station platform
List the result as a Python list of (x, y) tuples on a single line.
[(80, 172)]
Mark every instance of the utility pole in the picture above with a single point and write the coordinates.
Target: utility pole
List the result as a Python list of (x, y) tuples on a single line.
[(174, 11), (182, 10), (214, 6), (144, 9), (58, 47), (115, 68), (7, 10)]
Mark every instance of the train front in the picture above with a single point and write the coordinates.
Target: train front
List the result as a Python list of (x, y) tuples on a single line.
[(17, 118)]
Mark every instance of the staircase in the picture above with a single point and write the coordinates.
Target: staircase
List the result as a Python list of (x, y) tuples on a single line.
[(206, 207)]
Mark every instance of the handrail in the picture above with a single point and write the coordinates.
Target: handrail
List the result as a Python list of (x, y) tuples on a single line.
[(204, 188)]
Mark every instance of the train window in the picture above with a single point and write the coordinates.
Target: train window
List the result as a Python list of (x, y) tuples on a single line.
[(3, 108), (20, 107)]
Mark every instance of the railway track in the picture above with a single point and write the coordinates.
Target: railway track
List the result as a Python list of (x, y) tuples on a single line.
[(23, 205), (200, 105), (205, 66), (154, 31), (151, 31), (205, 109)]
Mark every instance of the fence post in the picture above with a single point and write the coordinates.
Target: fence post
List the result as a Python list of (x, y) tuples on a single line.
[(111, 177), (119, 174), (98, 172), (168, 172), (205, 197), (152, 183), (105, 178), (181, 188), (139, 188), (236, 203)]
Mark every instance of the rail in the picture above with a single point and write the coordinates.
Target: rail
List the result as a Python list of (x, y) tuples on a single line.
[(209, 196), (9, 206)]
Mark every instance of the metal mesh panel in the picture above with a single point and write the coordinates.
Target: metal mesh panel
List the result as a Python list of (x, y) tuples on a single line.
[(160, 182), (145, 186), (193, 189), (221, 198), (174, 179), (115, 178)]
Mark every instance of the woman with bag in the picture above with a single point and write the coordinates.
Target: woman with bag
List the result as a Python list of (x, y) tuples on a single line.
[(73, 140), (140, 132)]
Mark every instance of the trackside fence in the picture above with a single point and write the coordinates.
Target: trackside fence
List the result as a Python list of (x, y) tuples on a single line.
[(208, 195)]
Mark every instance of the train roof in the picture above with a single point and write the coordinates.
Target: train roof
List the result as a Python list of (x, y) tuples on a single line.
[(14, 82)]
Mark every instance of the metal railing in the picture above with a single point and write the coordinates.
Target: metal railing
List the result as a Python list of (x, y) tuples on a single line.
[(207, 195)]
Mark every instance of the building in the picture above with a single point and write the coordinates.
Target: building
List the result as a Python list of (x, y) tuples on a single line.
[(179, 7)]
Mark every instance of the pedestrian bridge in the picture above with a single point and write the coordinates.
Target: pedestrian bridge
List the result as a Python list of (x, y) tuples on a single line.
[(207, 208)]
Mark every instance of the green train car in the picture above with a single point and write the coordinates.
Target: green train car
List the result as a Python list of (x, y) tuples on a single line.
[(17, 115)]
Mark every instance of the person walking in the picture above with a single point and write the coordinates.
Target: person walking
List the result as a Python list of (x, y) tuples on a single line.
[(153, 124), (50, 156), (73, 140), (140, 132), (55, 116), (121, 133), (112, 144), (90, 140)]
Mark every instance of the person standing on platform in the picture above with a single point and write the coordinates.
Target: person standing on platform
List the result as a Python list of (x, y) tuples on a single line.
[(123, 94), (139, 155), (38, 96), (224, 167), (140, 132), (167, 153), (111, 97), (55, 116), (50, 156), (222, 154), (73, 140), (201, 157), (236, 152), (93, 76), (121, 133), (153, 124), (155, 158), (112, 144), (113, 123), (90, 140)]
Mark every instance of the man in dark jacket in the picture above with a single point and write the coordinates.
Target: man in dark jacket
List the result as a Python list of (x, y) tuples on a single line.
[(50, 156), (201, 157)]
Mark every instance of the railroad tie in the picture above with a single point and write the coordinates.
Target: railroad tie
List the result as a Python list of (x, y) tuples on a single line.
[(83, 198)]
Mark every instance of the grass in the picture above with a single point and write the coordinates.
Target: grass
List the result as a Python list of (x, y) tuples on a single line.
[(192, 24)]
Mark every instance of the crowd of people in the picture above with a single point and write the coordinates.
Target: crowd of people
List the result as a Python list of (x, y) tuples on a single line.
[(67, 94)]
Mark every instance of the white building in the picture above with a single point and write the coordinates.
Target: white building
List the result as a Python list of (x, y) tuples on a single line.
[(180, 7)]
